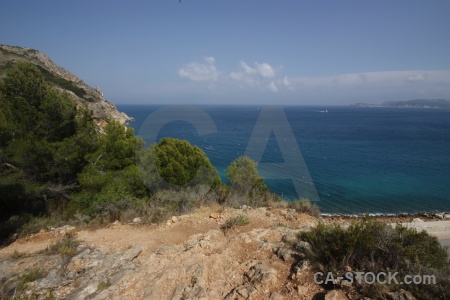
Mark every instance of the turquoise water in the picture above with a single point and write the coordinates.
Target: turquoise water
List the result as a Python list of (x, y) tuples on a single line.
[(371, 160)]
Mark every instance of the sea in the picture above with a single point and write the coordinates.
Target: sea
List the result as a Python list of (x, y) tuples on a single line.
[(353, 160)]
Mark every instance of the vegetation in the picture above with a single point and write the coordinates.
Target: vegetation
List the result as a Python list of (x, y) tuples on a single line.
[(30, 276), (58, 166), (243, 175), (172, 162), (103, 285), (304, 206), (370, 246), (239, 220)]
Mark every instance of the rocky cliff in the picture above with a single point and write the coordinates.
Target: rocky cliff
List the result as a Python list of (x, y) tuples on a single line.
[(82, 93)]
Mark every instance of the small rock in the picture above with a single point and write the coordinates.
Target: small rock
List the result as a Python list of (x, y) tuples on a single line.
[(261, 273), (439, 215), (302, 246), (214, 216), (169, 222), (276, 296), (289, 238), (335, 295), (284, 254), (132, 253), (400, 295), (137, 220), (302, 290), (418, 220), (304, 264), (446, 216), (174, 219)]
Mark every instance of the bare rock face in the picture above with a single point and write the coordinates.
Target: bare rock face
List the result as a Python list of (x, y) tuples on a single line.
[(261, 273), (186, 260), (84, 95)]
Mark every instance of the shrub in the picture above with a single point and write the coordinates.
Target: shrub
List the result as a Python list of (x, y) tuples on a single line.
[(304, 206), (370, 246), (239, 220), (30, 276), (243, 175), (173, 162)]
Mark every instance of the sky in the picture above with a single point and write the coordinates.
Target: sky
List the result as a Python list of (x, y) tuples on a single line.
[(242, 52)]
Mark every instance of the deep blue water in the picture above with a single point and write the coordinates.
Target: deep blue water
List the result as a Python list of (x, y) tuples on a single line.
[(371, 160)]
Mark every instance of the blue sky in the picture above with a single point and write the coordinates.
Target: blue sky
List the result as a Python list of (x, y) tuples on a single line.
[(242, 52)]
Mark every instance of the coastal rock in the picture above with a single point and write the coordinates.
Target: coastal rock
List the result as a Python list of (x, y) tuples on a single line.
[(84, 95)]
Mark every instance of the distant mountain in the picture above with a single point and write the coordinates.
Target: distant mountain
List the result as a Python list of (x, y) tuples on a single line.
[(417, 103), (420, 103), (82, 93)]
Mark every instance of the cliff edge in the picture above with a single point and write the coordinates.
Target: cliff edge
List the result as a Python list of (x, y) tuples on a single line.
[(83, 94)]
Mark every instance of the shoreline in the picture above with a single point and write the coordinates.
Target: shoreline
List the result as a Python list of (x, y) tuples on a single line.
[(388, 217)]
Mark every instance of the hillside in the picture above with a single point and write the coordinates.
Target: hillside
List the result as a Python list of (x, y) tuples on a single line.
[(416, 103), (420, 103), (82, 93), (187, 257)]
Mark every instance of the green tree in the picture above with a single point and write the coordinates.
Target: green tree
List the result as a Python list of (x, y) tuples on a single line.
[(173, 162), (110, 180), (243, 174)]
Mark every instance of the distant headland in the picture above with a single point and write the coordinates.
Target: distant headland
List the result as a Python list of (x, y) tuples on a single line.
[(416, 103)]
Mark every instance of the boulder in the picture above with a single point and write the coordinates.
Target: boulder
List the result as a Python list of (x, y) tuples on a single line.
[(400, 295), (335, 295), (261, 273)]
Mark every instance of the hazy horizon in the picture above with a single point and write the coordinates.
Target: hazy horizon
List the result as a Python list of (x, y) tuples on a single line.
[(247, 52)]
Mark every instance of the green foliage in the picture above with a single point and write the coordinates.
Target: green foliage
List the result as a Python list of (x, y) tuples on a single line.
[(30, 276), (110, 182), (173, 162), (243, 175), (239, 220), (65, 84), (66, 246), (35, 122), (117, 148), (370, 246), (103, 285), (304, 206)]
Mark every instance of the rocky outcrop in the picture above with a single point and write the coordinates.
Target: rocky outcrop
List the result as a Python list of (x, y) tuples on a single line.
[(84, 95)]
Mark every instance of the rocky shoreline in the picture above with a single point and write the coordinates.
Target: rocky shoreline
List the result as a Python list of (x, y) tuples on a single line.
[(390, 218)]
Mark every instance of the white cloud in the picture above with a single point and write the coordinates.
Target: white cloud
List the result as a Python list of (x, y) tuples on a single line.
[(273, 87), (389, 78), (416, 78), (262, 77), (258, 75), (200, 71), (265, 70)]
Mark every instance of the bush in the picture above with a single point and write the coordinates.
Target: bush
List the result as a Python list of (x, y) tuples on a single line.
[(305, 206), (239, 220), (243, 175), (173, 162), (370, 246)]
